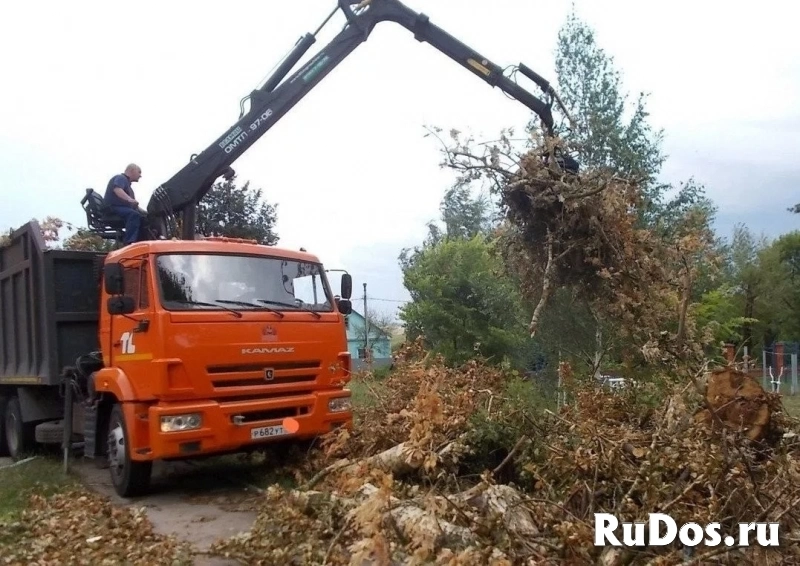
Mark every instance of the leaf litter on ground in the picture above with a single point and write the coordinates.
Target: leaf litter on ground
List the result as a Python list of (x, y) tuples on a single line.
[(77, 526)]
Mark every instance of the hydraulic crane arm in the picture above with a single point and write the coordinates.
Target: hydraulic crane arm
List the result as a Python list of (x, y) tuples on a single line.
[(181, 193)]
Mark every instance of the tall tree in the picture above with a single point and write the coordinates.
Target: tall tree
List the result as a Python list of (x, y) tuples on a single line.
[(607, 133), (748, 275), (611, 130), (237, 212), (462, 217)]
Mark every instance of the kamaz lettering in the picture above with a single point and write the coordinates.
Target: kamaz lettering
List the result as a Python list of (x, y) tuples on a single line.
[(277, 350)]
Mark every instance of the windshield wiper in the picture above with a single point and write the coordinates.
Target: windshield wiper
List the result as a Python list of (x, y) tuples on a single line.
[(291, 306), (204, 304), (246, 304)]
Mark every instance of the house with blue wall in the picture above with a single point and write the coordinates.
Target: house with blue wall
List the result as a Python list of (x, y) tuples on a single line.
[(380, 342)]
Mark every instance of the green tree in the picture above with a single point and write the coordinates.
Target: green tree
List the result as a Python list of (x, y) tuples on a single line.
[(83, 239), (461, 216), (607, 133), (611, 131), (748, 276), (778, 302), (463, 304), (237, 212)]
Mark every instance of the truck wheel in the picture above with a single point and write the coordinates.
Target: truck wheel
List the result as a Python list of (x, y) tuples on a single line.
[(19, 436), (130, 478), (3, 442)]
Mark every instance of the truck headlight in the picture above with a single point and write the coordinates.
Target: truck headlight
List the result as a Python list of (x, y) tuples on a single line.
[(339, 404), (175, 423)]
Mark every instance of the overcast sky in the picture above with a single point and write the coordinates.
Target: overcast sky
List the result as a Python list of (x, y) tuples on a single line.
[(90, 86)]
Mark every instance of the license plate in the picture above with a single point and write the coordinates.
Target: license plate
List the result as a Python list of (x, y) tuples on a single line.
[(267, 431)]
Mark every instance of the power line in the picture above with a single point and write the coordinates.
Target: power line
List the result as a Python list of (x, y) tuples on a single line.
[(386, 300)]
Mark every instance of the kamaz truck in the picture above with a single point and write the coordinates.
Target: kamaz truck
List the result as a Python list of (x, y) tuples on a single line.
[(167, 349), (179, 346)]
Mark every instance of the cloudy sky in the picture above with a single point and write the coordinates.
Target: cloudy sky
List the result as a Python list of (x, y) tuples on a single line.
[(89, 86)]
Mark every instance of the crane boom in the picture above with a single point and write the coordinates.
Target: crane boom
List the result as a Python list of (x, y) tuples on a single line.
[(269, 103)]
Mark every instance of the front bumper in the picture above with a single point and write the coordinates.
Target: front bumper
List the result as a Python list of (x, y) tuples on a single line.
[(227, 426)]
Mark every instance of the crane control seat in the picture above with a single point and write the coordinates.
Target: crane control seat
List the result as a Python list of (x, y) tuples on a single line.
[(100, 219)]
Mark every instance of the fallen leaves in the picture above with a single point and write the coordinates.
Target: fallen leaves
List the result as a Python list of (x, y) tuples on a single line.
[(80, 527)]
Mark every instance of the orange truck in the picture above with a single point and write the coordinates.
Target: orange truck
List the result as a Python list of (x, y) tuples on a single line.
[(167, 349), (178, 347)]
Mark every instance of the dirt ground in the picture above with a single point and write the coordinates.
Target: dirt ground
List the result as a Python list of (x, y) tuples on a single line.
[(197, 503)]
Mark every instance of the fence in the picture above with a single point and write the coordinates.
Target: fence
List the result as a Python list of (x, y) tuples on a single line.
[(777, 368)]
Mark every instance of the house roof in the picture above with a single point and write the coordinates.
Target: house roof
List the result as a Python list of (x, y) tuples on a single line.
[(379, 330)]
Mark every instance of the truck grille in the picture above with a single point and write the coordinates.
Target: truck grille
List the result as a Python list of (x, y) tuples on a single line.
[(288, 376)]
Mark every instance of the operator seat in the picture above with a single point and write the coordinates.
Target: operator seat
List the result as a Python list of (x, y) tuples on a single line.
[(99, 219)]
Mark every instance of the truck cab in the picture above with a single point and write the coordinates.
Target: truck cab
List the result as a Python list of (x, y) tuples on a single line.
[(213, 345)]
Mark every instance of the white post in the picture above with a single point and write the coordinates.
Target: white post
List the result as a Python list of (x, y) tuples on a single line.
[(794, 375)]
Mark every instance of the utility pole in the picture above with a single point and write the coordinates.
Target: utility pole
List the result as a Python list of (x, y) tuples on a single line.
[(366, 329)]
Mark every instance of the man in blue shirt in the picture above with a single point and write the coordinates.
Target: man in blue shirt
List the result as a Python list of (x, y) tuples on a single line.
[(121, 200)]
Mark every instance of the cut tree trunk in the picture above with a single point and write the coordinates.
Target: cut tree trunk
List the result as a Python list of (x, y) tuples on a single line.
[(739, 401)]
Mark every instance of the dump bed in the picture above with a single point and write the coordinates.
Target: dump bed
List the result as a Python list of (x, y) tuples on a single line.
[(48, 307)]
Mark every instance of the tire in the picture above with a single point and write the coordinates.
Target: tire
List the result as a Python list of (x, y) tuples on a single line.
[(50, 432), (19, 435), (3, 441), (130, 478)]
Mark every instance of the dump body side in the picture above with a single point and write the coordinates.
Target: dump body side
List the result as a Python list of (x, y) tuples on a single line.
[(49, 308)]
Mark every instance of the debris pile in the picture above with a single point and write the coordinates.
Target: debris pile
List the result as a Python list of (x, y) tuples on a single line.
[(394, 491), (77, 526)]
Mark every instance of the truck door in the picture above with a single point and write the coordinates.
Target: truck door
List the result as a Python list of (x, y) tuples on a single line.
[(131, 341)]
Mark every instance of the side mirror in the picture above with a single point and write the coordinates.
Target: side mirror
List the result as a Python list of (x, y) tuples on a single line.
[(114, 279), (120, 304), (345, 306), (347, 285)]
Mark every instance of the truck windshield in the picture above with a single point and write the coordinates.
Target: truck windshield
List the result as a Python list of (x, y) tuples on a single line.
[(201, 281)]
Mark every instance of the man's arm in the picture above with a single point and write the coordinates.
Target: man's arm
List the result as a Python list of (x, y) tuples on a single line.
[(120, 192)]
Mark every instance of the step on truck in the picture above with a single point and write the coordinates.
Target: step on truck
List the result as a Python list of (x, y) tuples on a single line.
[(167, 350)]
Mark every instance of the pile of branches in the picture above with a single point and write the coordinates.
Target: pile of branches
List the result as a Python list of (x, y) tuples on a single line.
[(586, 232), (629, 453)]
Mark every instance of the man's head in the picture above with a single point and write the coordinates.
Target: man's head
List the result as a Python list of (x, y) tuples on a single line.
[(133, 172)]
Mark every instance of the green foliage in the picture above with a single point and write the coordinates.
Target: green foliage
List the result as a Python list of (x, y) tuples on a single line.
[(237, 212), (611, 131), (85, 240), (720, 311), (494, 430), (607, 131), (461, 302)]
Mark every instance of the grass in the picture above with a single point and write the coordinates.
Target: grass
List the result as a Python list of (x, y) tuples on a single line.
[(792, 405), (41, 475)]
